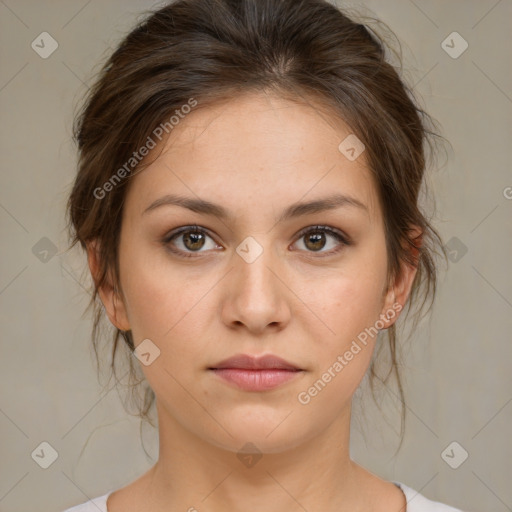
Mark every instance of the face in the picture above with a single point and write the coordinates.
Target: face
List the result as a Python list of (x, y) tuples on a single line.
[(307, 284)]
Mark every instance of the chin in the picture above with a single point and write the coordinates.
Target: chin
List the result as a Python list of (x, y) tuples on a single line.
[(264, 437)]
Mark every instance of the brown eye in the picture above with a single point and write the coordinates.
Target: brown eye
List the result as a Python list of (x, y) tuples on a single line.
[(317, 238), (193, 240), (189, 240), (314, 241)]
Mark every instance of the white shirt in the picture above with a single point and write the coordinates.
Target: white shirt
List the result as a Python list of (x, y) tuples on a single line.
[(415, 503)]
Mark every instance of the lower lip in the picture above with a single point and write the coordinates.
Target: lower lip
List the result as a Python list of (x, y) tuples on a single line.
[(256, 380)]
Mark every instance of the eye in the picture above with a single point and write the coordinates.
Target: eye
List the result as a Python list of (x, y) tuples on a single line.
[(187, 240), (316, 238)]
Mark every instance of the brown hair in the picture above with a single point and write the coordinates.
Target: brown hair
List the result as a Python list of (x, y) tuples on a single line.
[(208, 50)]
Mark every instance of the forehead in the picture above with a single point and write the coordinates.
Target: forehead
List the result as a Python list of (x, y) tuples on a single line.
[(255, 145)]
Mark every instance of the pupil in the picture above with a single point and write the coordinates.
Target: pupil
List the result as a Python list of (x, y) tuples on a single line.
[(194, 239), (318, 240)]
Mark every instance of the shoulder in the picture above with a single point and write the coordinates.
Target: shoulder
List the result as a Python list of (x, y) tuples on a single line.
[(418, 503), (98, 504)]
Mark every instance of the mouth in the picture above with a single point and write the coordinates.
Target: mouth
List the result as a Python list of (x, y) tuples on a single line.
[(251, 373), (248, 362)]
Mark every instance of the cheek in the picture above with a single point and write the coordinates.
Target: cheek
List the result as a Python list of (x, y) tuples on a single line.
[(350, 308), (350, 302), (164, 305), (172, 308), (159, 296)]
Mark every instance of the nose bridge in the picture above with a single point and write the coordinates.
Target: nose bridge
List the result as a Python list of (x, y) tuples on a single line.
[(257, 297), (254, 259)]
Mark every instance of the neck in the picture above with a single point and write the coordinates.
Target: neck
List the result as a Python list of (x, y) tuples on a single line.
[(194, 474)]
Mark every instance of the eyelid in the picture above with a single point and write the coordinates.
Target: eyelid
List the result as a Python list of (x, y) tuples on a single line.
[(183, 229), (343, 239), (333, 231)]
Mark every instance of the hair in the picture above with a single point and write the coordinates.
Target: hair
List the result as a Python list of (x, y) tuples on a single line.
[(210, 50)]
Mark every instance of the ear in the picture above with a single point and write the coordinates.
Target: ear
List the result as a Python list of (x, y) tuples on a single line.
[(110, 297), (397, 294)]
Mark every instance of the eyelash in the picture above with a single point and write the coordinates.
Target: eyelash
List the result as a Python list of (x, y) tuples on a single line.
[(340, 237)]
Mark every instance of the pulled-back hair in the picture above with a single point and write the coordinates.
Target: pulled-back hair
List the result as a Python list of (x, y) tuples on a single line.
[(207, 51)]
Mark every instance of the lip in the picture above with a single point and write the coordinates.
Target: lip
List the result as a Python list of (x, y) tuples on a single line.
[(248, 362), (256, 380), (252, 373)]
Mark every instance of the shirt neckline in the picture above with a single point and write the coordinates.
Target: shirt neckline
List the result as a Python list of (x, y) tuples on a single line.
[(103, 499)]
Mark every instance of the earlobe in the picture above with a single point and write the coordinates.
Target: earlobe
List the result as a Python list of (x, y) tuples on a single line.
[(390, 310), (107, 291), (114, 306), (398, 293)]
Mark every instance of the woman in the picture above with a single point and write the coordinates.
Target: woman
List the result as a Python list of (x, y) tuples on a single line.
[(247, 195)]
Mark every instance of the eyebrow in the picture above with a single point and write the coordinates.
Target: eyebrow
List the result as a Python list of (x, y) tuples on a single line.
[(295, 210)]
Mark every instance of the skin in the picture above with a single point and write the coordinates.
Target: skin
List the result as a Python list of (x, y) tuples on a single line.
[(254, 155)]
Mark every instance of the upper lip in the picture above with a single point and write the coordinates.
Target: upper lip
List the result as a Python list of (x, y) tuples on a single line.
[(247, 362)]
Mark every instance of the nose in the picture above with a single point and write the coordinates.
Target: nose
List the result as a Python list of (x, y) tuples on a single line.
[(256, 295)]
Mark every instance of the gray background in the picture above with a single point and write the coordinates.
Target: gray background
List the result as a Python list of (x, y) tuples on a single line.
[(457, 370)]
